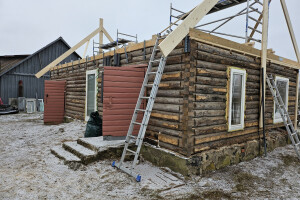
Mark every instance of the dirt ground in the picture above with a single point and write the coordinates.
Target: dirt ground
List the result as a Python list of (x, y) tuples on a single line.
[(29, 171)]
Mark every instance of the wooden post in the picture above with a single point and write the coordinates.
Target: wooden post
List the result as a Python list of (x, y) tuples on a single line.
[(292, 34), (264, 45), (100, 34), (296, 103), (86, 47)]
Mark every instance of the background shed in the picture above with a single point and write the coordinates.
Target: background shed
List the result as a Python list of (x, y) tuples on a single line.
[(24, 67)]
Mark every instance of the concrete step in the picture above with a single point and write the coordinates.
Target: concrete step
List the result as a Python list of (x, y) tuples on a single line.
[(86, 155), (100, 145), (106, 149), (68, 157)]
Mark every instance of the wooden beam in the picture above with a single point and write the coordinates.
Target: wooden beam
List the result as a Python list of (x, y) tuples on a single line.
[(240, 48), (176, 36), (290, 27), (292, 34), (86, 47), (264, 45), (66, 54), (107, 35), (100, 34), (296, 103)]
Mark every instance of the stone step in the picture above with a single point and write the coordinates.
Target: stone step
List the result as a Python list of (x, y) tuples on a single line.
[(106, 149), (86, 155), (100, 145), (61, 153)]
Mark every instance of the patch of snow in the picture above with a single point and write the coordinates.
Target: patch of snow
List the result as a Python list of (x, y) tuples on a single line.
[(29, 171)]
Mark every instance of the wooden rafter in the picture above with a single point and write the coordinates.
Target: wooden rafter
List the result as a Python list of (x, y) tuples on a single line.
[(292, 34), (74, 48), (176, 36)]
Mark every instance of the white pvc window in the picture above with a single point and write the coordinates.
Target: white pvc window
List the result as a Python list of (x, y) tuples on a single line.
[(236, 99), (283, 88), (91, 93)]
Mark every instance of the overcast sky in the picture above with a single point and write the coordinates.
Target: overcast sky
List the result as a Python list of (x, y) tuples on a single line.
[(27, 26)]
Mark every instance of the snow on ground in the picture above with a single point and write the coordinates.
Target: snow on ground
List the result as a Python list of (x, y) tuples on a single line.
[(29, 171)]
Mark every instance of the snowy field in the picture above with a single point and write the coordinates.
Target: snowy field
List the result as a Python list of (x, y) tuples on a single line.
[(29, 171)]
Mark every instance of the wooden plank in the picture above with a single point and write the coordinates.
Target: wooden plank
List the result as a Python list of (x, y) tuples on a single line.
[(290, 27), (66, 54), (240, 48), (292, 34), (296, 103), (101, 34), (264, 46), (86, 47), (176, 36)]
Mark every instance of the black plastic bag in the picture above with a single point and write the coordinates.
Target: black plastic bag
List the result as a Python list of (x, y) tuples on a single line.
[(94, 125)]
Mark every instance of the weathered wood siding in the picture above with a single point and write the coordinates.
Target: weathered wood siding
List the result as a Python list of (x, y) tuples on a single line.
[(210, 97)]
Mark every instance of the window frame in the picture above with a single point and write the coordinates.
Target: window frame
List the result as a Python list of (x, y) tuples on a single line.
[(279, 120), (244, 76), (89, 72)]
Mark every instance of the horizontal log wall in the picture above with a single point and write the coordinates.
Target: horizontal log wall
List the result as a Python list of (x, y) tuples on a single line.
[(75, 75), (165, 123), (210, 97)]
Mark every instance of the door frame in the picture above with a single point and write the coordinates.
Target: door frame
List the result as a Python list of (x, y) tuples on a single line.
[(88, 72)]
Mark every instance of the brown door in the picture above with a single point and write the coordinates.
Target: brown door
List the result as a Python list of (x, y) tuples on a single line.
[(121, 88), (54, 102)]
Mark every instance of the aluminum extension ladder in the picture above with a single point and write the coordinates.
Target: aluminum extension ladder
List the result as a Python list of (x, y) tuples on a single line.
[(147, 112), (284, 114)]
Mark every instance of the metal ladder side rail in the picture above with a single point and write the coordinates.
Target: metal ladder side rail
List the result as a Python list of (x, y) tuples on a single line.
[(149, 109), (284, 115), (143, 125), (153, 93), (279, 102), (138, 105)]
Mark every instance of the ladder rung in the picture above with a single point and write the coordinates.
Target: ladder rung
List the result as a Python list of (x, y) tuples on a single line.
[(295, 133), (158, 60), (142, 110), (133, 152), (152, 73), (255, 20), (255, 9), (145, 97), (137, 123), (255, 30), (149, 85), (133, 137)]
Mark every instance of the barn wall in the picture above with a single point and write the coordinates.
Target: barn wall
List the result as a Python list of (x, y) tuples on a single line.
[(211, 96), (27, 69)]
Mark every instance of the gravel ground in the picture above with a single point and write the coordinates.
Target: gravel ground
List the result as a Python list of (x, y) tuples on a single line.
[(29, 171)]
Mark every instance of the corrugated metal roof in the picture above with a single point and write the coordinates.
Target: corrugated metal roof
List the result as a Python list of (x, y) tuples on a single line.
[(2, 72), (9, 61)]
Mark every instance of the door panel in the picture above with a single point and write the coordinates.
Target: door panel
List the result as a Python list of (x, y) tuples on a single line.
[(121, 88), (54, 102)]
